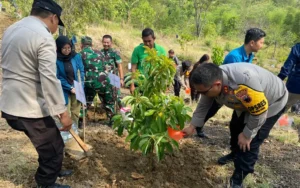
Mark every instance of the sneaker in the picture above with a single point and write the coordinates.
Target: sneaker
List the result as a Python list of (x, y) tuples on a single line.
[(55, 185), (227, 158)]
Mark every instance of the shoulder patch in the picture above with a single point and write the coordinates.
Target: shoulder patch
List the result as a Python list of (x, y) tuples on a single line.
[(255, 101)]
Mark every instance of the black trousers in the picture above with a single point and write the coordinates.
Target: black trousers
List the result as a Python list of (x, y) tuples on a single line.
[(245, 161), (47, 141), (177, 87)]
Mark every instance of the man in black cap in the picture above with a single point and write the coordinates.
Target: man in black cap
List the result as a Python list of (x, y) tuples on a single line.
[(31, 93)]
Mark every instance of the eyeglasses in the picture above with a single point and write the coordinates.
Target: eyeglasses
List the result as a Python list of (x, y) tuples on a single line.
[(205, 92), (66, 49)]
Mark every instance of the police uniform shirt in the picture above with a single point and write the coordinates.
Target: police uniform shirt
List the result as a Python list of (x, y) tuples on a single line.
[(246, 88)]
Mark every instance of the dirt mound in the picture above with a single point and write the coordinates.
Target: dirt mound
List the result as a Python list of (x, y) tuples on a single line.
[(114, 165)]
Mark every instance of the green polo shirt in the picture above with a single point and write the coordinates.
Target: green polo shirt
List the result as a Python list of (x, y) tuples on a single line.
[(139, 54)]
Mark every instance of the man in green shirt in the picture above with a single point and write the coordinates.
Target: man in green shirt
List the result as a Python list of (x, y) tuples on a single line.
[(139, 54)]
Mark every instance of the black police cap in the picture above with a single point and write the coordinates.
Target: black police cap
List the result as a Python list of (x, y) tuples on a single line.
[(50, 6)]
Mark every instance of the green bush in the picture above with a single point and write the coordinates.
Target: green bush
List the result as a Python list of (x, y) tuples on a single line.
[(210, 30), (208, 42), (217, 56), (228, 47), (8, 7)]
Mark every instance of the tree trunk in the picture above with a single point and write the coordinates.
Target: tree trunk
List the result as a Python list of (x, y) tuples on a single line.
[(129, 16), (197, 18), (275, 46)]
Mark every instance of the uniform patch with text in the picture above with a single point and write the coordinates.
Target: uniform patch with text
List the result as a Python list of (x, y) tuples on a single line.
[(255, 101)]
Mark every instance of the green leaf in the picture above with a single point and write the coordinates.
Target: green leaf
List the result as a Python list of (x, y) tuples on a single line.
[(125, 99), (148, 146), (143, 141), (157, 152), (175, 143), (120, 130), (130, 137), (116, 117), (134, 145), (150, 112), (169, 147)]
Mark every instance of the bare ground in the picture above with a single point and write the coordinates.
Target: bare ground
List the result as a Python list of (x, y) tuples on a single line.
[(114, 165)]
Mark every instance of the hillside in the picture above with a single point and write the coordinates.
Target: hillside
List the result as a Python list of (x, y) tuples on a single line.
[(113, 165)]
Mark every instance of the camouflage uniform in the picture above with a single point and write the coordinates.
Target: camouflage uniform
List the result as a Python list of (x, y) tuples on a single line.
[(111, 58), (96, 79)]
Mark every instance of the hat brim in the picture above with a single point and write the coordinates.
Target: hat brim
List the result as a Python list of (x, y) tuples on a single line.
[(60, 22)]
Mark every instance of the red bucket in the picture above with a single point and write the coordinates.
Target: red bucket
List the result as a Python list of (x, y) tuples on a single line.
[(175, 134)]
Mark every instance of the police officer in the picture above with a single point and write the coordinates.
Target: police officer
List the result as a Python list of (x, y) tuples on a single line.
[(96, 79), (258, 101), (31, 93)]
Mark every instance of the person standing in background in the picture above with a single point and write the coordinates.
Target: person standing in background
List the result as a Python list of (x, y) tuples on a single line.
[(68, 64), (139, 54), (173, 57), (254, 41)]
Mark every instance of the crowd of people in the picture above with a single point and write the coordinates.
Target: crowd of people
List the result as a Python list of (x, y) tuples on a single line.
[(39, 75)]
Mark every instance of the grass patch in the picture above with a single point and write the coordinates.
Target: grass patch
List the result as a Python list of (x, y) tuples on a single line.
[(262, 177), (285, 136)]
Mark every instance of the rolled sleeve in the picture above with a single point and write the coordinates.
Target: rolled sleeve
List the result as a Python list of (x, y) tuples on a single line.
[(51, 86)]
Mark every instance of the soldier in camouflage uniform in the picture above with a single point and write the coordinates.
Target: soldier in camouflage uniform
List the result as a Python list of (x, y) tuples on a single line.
[(113, 64), (96, 78)]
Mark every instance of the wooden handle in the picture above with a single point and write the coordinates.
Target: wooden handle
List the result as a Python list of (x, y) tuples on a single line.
[(79, 141)]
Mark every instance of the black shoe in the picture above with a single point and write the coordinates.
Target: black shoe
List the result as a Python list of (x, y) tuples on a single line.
[(227, 158), (55, 185), (200, 132), (65, 173), (202, 135)]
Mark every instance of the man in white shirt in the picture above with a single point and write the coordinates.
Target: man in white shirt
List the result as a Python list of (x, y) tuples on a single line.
[(31, 93)]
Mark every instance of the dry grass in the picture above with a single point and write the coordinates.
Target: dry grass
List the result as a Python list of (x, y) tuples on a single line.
[(18, 159)]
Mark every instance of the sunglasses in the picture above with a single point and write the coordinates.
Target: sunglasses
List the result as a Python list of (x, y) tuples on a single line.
[(205, 92)]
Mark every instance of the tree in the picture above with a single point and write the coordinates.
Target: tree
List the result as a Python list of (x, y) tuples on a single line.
[(201, 7), (129, 5), (152, 111), (143, 15)]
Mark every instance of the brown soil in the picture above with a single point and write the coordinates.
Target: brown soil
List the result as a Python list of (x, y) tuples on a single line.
[(114, 165)]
